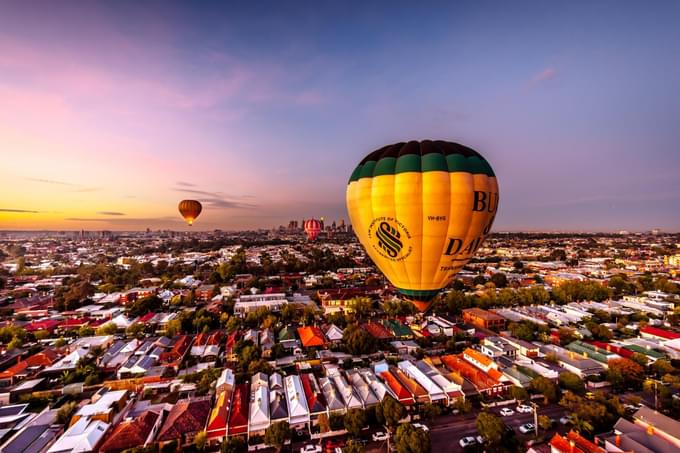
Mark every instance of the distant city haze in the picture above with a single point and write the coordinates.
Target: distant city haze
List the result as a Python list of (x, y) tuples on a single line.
[(111, 113)]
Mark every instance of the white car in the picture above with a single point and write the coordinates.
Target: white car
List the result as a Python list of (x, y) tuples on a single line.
[(311, 448), (565, 420), (506, 412), (421, 426), (467, 441), (524, 409), (380, 437), (480, 440), (526, 428)]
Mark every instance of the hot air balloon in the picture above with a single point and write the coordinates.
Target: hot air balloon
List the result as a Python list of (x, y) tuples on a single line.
[(421, 210), (312, 228), (190, 209)]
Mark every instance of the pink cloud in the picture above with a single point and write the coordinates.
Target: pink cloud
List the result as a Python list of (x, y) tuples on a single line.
[(548, 73)]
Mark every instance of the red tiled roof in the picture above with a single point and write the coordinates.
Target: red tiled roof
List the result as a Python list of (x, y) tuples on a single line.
[(43, 358), (73, 322), (130, 434), (402, 393), (48, 324), (178, 350), (413, 387), (147, 317), (187, 417), (377, 330), (479, 378), (623, 352), (238, 418), (311, 336), (314, 400), (217, 423), (581, 445), (662, 333)]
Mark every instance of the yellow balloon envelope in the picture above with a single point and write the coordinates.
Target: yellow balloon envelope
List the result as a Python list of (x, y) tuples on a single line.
[(421, 210)]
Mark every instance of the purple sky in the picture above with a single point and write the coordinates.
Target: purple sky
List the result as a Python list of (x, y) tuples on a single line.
[(110, 113)]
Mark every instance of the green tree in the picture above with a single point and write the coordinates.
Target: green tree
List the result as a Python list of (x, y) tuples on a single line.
[(409, 439), (173, 327), (639, 358), (336, 421), (623, 373), (85, 331), (663, 366), (519, 393), (135, 330), (499, 279), (430, 411), (571, 381), (277, 434), (107, 329), (544, 422), (490, 427), (361, 306), (580, 424), (65, 412), (324, 423), (355, 421), (353, 447), (358, 341), (390, 411), (41, 335), (200, 440), (144, 305), (463, 406), (546, 387), (234, 445)]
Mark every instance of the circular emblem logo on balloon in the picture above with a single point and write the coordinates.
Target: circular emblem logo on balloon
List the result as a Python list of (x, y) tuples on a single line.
[(390, 238)]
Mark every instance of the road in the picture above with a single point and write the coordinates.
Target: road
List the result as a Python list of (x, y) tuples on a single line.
[(447, 430), (445, 434)]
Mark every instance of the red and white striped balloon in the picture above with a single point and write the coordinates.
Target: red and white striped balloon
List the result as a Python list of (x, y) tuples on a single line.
[(312, 228)]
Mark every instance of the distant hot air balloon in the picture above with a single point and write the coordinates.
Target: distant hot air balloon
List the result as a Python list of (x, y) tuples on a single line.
[(421, 210), (312, 228), (190, 210)]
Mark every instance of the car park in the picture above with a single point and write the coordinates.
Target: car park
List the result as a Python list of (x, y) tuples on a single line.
[(467, 441), (527, 428), (506, 412)]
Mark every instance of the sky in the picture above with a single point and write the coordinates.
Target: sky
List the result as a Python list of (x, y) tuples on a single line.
[(112, 112)]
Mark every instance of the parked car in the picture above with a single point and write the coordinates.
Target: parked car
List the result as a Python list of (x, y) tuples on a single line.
[(421, 426), (565, 420), (526, 428), (506, 412), (467, 441), (480, 440), (524, 409), (380, 436), (311, 448), (590, 396)]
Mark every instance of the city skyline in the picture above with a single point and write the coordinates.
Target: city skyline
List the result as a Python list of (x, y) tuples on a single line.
[(110, 116)]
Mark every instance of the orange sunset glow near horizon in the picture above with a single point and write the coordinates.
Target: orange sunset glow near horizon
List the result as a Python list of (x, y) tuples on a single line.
[(112, 114)]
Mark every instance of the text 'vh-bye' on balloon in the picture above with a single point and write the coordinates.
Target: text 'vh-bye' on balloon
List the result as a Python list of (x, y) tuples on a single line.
[(421, 210)]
